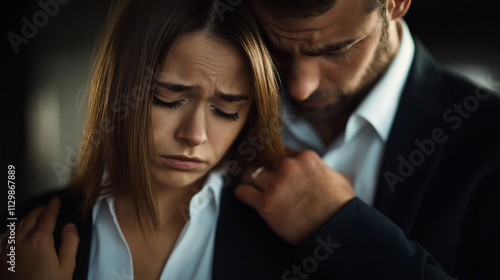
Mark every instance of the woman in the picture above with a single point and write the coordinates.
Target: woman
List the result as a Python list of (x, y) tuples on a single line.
[(177, 85)]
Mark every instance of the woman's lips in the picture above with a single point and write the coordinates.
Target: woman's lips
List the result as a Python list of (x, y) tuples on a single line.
[(182, 162)]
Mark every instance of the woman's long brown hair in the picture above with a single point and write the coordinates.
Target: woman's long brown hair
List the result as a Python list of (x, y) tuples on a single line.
[(136, 38)]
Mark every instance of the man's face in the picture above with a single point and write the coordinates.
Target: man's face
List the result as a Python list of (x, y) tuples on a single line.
[(330, 61)]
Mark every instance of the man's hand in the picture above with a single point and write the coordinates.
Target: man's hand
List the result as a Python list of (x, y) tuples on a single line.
[(297, 196), (36, 256)]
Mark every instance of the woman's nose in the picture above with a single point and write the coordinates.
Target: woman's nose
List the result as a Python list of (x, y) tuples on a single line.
[(192, 130)]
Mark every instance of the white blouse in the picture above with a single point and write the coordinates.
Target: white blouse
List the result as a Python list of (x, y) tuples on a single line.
[(192, 255)]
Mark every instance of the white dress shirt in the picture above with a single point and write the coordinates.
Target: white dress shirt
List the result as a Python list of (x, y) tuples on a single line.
[(192, 256), (358, 151)]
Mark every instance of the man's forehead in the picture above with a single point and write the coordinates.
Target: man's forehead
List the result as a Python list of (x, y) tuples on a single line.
[(340, 13), (345, 20), (344, 16)]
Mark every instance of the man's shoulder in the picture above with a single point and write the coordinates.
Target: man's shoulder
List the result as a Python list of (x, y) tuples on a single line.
[(439, 98), (472, 116), (428, 77), (460, 86), (480, 104), (70, 202), (453, 94)]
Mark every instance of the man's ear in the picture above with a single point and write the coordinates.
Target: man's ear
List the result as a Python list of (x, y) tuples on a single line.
[(396, 9)]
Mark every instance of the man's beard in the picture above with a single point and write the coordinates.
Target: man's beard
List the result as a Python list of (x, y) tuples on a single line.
[(348, 101)]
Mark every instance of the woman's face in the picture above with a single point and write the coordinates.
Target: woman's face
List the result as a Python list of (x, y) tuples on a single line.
[(200, 104)]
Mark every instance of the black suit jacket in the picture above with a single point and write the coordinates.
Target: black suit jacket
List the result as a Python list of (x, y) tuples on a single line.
[(437, 208)]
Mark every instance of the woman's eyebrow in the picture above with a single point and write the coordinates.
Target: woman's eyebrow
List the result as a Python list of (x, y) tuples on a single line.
[(231, 97), (174, 87)]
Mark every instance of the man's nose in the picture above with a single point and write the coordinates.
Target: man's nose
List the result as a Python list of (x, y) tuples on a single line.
[(304, 78)]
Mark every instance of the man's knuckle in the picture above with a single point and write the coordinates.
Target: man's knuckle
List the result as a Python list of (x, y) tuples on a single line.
[(73, 238), (286, 165), (309, 154)]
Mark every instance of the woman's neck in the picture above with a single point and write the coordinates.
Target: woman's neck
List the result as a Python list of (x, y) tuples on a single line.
[(173, 205)]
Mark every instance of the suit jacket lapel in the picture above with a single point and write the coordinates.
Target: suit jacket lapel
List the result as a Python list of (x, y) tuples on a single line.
[(400, 188)]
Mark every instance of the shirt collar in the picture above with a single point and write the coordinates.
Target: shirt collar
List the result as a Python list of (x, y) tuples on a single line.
[(209, 194), (380, 105)]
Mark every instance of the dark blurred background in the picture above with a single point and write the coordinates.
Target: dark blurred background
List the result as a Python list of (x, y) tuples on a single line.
[(43, 84)]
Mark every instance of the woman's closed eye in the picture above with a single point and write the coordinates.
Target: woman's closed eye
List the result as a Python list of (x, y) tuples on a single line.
[(230, 117), (178, 103), (161, 103)]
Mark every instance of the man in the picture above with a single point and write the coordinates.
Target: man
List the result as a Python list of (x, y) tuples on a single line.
[(406, 183)]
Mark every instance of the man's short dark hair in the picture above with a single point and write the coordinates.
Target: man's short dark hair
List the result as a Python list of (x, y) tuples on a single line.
[(308, 8)]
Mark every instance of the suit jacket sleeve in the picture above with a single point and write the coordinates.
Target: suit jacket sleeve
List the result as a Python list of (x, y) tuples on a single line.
[(361, 243)]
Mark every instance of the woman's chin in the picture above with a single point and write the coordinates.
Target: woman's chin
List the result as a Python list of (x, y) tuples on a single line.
[(177, 181)]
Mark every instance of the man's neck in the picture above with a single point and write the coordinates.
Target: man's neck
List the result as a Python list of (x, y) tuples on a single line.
[(330, 130)]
